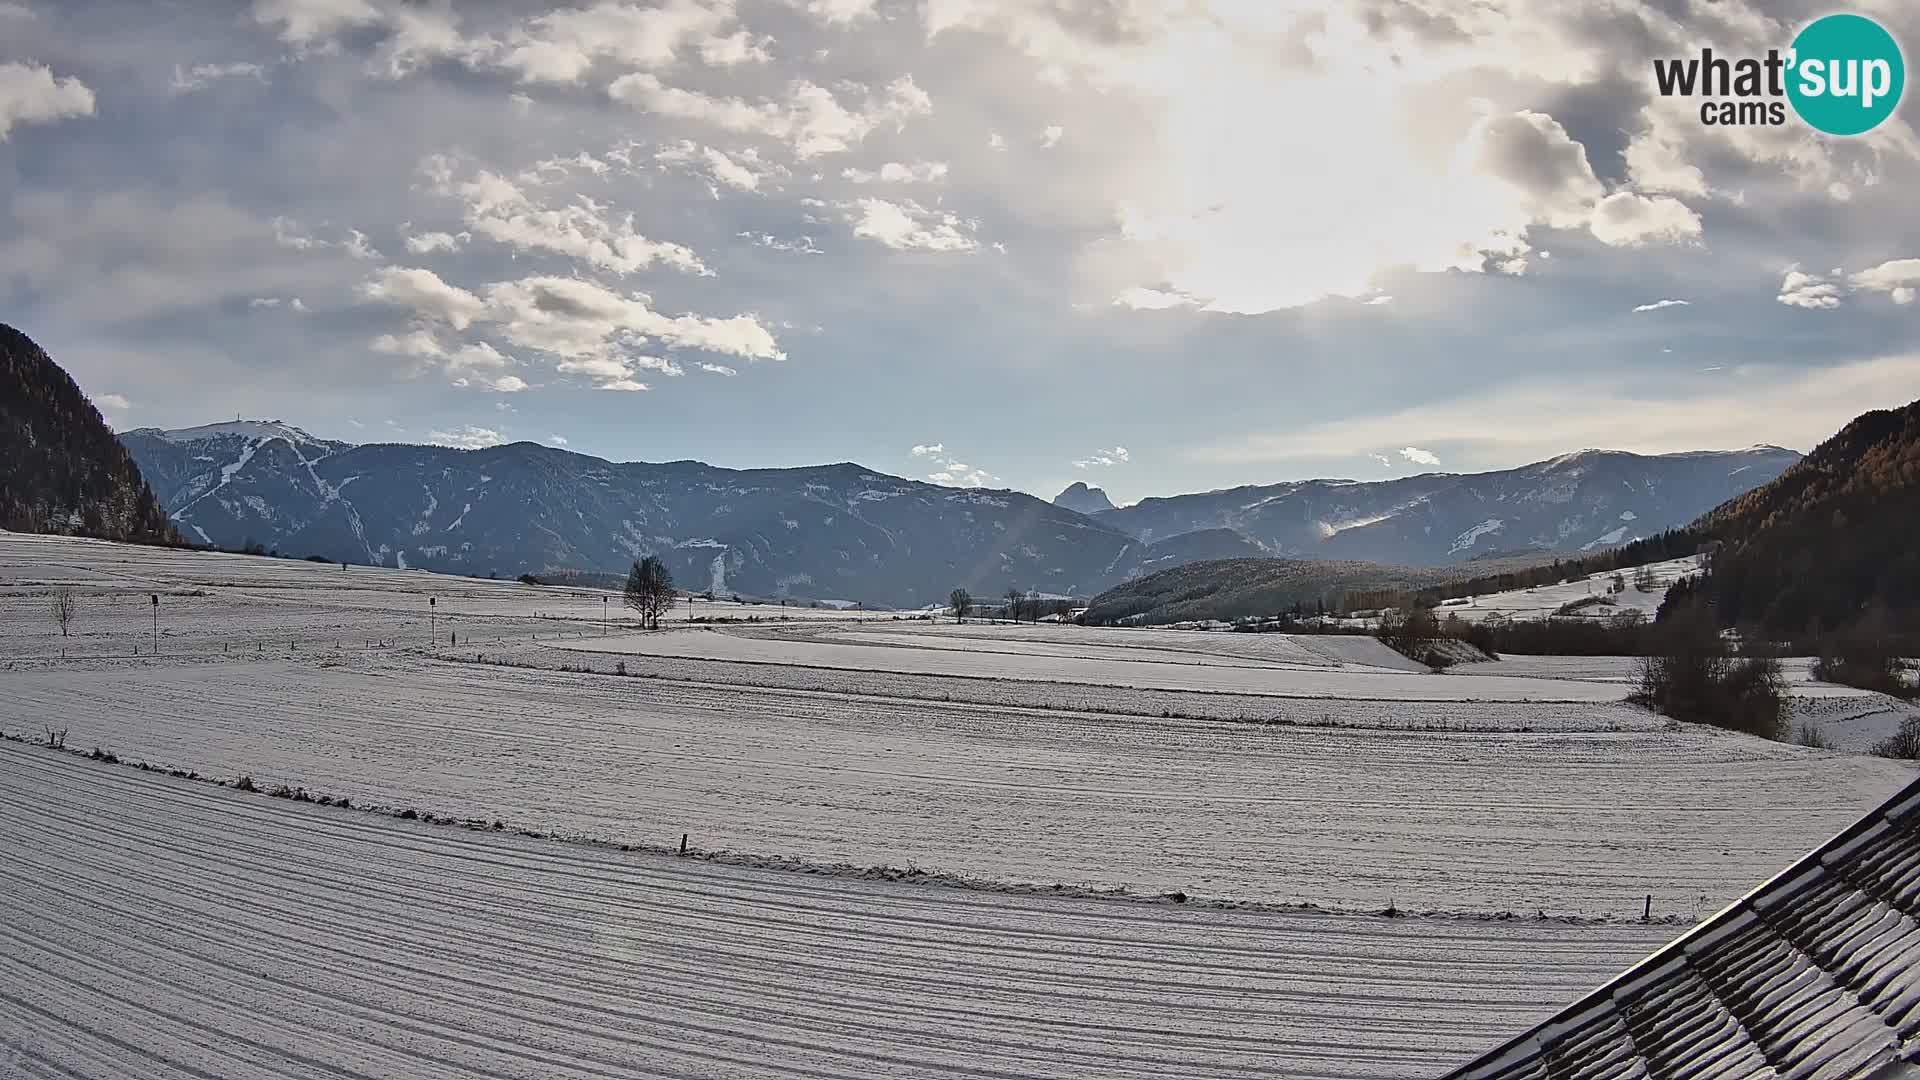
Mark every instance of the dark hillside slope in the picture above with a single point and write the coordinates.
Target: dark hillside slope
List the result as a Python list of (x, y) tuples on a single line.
[(61, 469), (1830, 541)]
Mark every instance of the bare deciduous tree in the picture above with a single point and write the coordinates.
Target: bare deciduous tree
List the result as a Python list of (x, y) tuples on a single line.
[(1014, 597), (64, 609), (959, 601), (650, 590)]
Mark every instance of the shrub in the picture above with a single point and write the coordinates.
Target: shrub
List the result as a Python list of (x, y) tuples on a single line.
[(1810, 735), (1692, 678), (1903, 744)]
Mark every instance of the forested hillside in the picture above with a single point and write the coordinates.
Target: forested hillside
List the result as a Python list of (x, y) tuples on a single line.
[(61, 469), (1831, 541)]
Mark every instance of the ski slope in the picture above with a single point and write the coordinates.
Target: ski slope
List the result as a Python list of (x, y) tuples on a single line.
[(171, 930)]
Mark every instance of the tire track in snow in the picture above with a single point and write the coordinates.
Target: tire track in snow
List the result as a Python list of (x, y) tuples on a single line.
[(175, 929)]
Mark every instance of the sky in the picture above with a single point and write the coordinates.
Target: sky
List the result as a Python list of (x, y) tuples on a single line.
[(1152, 245)]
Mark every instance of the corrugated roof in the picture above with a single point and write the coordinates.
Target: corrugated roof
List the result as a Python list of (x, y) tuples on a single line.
[(1815, 975)]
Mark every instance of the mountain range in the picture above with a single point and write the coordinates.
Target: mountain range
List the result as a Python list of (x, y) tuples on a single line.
[(845, 532)]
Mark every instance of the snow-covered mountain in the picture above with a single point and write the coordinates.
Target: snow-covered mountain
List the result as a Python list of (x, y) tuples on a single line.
[(1082, 499), (1577, 502), (844, 532), (825, 532)]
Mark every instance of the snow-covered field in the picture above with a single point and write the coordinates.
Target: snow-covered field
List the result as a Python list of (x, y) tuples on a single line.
[(212, 602), (1538, 603), (151, 926), (163, 929), (1577, 822), (1090, 662)]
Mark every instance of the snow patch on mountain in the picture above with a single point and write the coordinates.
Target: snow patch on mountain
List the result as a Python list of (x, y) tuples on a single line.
[(1472, 536)]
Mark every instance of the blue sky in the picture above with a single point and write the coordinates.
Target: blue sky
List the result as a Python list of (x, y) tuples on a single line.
[(1157, 246)]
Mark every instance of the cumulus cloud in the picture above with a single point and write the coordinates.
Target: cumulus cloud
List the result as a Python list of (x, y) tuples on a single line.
[(895, 172), (502, 210), (949, 470), (908, 226), (468, 437), (744, 171), (1898, 278), (807, 118), (1104, 458), (1627, 219), (112, 401), (929, 450), (186, 80), (1050, 136), (428, 243), (1143, 299), (306, 23), (422, 292), (839, 12), (571, 318), (718, 369), (1419, 456), (32, 94), (557, 440), (1659, 304), (1801, 289)]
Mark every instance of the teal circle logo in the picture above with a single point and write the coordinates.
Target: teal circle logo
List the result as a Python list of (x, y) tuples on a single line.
[(1846, 74)]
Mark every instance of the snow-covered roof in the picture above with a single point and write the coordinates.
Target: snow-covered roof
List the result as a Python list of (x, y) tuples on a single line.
[(1814, 974)]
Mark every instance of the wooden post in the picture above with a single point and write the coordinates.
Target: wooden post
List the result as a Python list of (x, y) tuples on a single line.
[(1647, 915), (683, 843)]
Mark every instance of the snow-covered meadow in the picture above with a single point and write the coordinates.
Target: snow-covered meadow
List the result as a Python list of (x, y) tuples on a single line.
[(1046, 792)]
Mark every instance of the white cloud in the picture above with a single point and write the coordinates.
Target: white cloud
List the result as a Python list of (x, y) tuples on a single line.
[(31, 94), (743, 171), (1143, 299), (508, 384), (1895, 277), (1664, 413), (417, 343), (315, 22), (840, 12), (427, 243), (425, 294), (1104, 458), (468, 437), (572, 318), (562, 46), (1659, 304), (112, 401), (187, 80), (1419, 456), (808, 118), (718, 369), (1626, 219), (1383, 459), (1799, 289), (1050, 136), (908, 226), (557, 440), (476, 354), (929, 450), (501, 210), (802, 245), (894, 172)]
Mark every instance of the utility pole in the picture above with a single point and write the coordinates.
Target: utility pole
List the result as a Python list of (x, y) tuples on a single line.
[(603, 615), (433, 624), (156, 624)]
